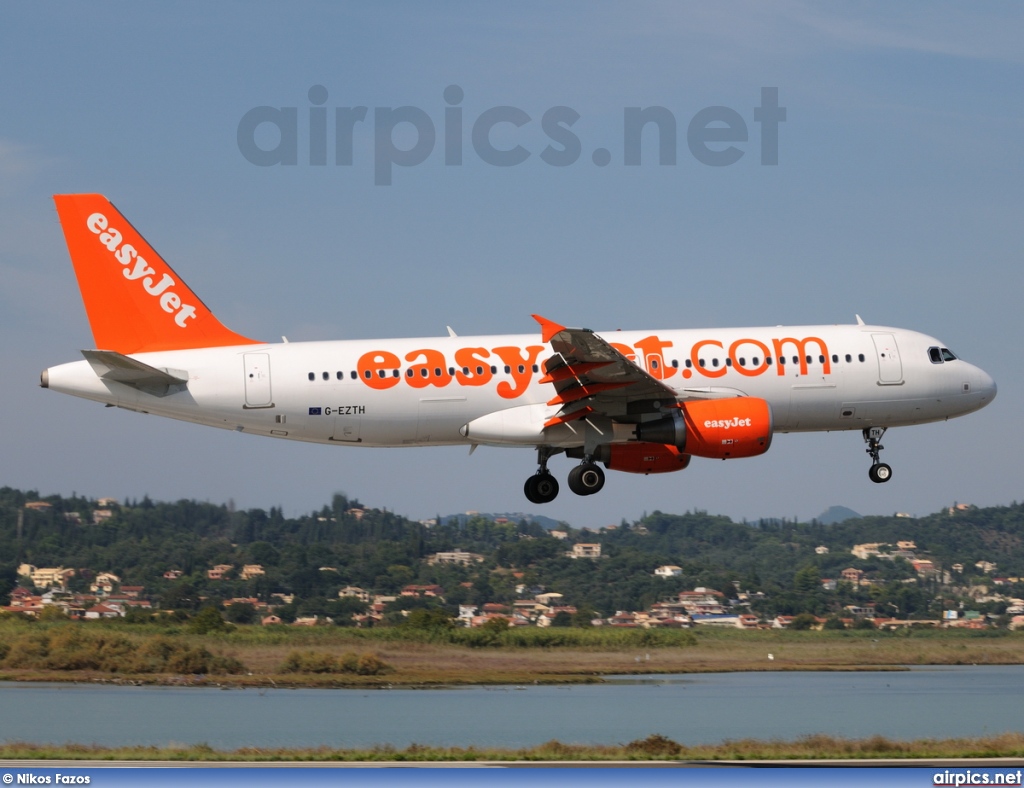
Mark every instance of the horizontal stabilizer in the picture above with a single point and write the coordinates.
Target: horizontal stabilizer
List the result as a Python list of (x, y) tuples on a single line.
[(131, 372)]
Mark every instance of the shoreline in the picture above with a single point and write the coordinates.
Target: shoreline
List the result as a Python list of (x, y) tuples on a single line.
[(335, 658), (305, 681), (1006, 749)]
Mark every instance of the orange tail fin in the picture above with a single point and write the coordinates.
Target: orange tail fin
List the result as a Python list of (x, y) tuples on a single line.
[(134, 300)]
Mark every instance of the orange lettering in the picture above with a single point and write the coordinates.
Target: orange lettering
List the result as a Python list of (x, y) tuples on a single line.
[(433, 371), (521, 369), (473, 359), (749, 371), (801, 346), (654, 357), (376, 369), (695, 358)]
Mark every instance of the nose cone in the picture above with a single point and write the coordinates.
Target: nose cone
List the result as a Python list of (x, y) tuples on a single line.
[(979, 389), (985, 387)]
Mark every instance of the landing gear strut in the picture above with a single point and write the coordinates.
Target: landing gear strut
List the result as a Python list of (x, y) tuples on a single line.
[(542, 487), (879, 472), (586, 478)]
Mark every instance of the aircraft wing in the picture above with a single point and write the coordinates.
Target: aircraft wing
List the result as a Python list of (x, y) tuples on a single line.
[(590, 376)]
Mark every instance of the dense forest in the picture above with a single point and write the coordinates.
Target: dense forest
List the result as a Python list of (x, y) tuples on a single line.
[(346, 543)]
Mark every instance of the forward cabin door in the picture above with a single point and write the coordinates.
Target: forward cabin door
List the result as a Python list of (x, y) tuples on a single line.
[(890, 368), (257, 380)]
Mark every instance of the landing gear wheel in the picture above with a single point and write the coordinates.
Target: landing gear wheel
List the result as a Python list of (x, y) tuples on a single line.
[(586, 479), (541, 488), (880, 473)]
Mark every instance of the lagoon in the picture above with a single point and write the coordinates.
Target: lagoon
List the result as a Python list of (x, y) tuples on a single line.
[(938, 702)]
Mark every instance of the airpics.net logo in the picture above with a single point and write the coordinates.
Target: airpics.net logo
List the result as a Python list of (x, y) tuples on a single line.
[(407, 136)]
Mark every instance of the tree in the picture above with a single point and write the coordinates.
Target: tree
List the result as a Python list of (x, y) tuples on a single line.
[(807, 580), (180, 596), (209, 620), (422, 618), (803, 621), (241, 613), (562, 619)]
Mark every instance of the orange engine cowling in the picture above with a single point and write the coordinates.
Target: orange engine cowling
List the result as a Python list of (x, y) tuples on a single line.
[(644, 458), (716, 428)]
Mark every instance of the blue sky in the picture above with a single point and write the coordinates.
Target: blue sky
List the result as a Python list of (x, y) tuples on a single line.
[(898, 196)]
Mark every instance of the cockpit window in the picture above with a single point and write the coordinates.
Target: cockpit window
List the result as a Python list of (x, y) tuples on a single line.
[(935, 355), (947, 354)]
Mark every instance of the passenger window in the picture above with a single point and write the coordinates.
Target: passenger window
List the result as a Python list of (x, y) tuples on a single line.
[(408, 373), (701, 362), (728, 362), (821, 359), (935, 355), (312, 376), (381, 373), (654, 363), (395, 373), (424, 373), (507, 369), (714, 362), (743, 361), (354, 376), (479, 370), (451, 370), (782, 361), (860, 357), (522, 369), (675, 364), (768, 360), (340, 375), (754, 361), (535, 369), (796, 359), (688, 363), (849, 358), (326, 375), (947, 354), (494, 369), (808, 359), (366, 374)]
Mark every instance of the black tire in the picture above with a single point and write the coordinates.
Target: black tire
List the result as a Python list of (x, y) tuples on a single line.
[(541, 488), (880, 473), (586, 479)]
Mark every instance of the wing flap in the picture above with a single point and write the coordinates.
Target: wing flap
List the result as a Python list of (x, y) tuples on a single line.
[(586, 370)]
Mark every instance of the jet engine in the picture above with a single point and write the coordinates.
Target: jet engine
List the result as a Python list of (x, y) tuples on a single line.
[(716, 428), (636, 457)]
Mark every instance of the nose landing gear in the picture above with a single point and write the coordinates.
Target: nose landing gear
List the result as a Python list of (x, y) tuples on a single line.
[(879, 472)]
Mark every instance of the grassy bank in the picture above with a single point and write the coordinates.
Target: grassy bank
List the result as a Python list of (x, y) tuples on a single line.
[(653, 748), (331, 656)]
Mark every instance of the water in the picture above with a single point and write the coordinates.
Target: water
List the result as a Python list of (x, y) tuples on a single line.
[(692, 709)]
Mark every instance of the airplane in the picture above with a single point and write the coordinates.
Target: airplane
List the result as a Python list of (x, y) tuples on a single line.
[(633, 401)]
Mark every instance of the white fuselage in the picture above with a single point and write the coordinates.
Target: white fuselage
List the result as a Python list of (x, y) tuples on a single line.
[(404, 392)]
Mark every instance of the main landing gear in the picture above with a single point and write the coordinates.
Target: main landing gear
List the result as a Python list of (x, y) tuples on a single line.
[(586, 478), (542, 487), (879, 472)]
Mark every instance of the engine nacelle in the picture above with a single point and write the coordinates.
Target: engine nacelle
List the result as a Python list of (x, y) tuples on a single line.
[(645, 458), (716, 428)]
